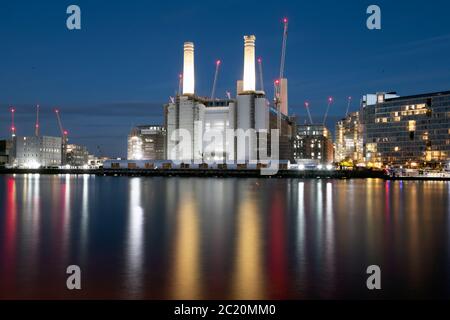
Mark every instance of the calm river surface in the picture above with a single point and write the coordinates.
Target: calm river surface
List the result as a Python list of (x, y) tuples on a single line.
[(222, 238)]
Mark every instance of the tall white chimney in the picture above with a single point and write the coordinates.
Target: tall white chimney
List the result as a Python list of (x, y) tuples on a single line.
[(188, 69), (249, 64)]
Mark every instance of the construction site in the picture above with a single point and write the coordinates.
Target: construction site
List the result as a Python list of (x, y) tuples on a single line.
[(43, 151)]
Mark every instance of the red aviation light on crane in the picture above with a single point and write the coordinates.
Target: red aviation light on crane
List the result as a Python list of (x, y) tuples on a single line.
[(259, 60), (306, 104), (218, 62), (285, 20), (330, 99), (66, 132), (277, 82), (13, 128)]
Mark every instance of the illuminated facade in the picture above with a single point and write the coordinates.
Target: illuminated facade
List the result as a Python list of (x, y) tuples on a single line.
[(313, 142), (349, 139), (190, 119), (76, 155), (412, 131), (147, 143), (35, 152)]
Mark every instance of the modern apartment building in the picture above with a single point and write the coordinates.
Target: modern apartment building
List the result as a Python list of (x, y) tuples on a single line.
[(313, 142), (411, 131)]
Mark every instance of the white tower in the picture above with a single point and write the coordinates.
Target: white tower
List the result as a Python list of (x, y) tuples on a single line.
[(188, 69), (249, 84)]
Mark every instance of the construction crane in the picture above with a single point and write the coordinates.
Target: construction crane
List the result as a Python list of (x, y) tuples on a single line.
[(309, 113), (330, 101), (13, 128), (276, 85), (261, 79), (283, 47), (216, 74), (348, 105), (64, 134), (36, 127), (277, 88)]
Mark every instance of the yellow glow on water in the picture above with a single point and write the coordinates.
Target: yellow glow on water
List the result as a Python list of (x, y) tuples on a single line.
[(248, 275), (187, 273)]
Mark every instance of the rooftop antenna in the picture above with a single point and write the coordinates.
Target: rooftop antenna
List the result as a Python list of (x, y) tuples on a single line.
[(309, 113), (180, 83), (36, 128), (216, 73), (348, 105), (228, 93), (330, 101)]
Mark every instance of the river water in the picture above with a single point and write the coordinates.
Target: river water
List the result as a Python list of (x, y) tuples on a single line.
[(222, 238)]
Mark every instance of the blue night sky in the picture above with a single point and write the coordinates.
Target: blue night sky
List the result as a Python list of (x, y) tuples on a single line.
[(123, 65)]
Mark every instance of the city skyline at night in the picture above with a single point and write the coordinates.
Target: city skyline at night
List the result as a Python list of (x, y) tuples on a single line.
[(109, 77)]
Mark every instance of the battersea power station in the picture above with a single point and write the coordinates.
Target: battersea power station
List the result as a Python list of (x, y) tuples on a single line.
[(246, 129)]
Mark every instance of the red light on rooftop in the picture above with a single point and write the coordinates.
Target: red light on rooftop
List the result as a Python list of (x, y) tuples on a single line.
[(330, 99), (285, 20), (218, 62), (13, 110), (277, 82), (66, 133), (306, 104), (259, 60)]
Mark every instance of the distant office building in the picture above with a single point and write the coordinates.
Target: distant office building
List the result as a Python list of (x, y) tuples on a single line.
[(313, 142), (147, 143), (349, 139), (5, 152), (412, 131), (76, 155), (35, 152)]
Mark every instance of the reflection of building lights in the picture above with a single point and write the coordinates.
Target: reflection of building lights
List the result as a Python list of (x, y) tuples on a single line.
[(329, 167), (319, 167), (301, 167)]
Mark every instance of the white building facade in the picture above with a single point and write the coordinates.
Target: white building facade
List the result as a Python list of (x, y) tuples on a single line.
[(35, 152), (211, 130)]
